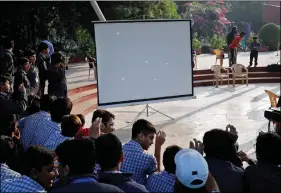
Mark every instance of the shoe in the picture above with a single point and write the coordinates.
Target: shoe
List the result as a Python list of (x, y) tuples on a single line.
[(255, 65), (250, 65)]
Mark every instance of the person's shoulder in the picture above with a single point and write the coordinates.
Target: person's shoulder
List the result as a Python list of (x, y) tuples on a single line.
[(136, 187), (108, 187)]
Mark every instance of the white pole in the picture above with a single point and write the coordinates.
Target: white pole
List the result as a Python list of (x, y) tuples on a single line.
[(97, 10)]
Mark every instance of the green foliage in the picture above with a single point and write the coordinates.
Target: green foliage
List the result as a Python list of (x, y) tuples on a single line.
[(218, 42), (196, 43), (270, 34), (131, 10), (84, 41)]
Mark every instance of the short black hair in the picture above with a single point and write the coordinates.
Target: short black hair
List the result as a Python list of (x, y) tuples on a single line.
[(169, 158), (82, 118), (70, 125), (42, 46), (108, 151), (78, 155), (242, 33), (23, 61), (46, 102), (255, 37), (56, 58), (29, 52), (142, 126), (7, 43), (268, 148), (60, 107), (8, 124), (33, 104), (37, 157), (219, 143), (104, 114), (7, 148), (4, 79)]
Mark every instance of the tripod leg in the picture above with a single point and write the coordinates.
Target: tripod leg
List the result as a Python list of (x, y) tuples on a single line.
[(160, 112)]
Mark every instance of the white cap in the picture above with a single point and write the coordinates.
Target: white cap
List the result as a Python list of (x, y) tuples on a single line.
[(190, 166)]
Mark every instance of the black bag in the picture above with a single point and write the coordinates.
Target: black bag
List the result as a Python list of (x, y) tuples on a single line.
[(273, 68)]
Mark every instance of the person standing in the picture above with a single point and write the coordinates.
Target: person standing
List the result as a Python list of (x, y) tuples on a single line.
[(21, 76), (254, 51), (33, 73), (56, 76), (233, 47), (7, 59), (230, 37), (42, 63)]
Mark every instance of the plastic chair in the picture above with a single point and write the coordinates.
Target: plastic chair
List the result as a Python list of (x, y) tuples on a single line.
[(218, 54), (273, 102), (219, 75), (237, 72)]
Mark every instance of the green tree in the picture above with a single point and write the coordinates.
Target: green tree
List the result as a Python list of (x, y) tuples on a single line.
[(84, 41)]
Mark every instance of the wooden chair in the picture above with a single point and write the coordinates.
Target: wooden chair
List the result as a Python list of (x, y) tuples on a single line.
[(218, 75), (273, 102), (237, 72), (218, 54)]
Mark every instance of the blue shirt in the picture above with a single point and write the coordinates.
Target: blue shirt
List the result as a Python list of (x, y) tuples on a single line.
[(22, 184), (137, 162), (55, 139), (7, 173), (161, 182)]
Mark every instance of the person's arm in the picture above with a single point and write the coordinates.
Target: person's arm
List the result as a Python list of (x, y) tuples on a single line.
[(19, 100), (160, 139), (18, 81)]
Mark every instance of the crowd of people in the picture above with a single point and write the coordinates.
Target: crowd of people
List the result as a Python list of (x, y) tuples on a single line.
[(45, 148)]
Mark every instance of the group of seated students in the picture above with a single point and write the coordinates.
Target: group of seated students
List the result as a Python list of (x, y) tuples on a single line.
[(45, 148)]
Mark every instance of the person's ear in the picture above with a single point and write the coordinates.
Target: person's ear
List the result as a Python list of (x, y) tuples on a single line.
[(122, 158), (141, 137), (63, 170), (34, 173)]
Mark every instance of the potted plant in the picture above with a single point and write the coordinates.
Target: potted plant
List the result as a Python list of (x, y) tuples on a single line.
[(217, 43), (196, 44)]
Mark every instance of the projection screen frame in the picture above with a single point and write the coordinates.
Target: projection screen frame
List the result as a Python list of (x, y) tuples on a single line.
[(149, 100)]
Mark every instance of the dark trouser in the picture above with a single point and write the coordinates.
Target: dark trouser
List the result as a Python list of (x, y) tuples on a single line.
[(232, 56), (42, 85), (254, 55)]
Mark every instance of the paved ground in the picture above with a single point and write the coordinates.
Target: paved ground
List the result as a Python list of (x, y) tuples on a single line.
[(241, 106), (77, 75)]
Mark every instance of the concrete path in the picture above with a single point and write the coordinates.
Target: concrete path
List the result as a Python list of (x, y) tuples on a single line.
[(242, 106)]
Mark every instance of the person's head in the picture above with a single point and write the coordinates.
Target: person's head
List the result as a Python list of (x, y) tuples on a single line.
[(39, 164), (7, 148), (60, 108), (268, 148), (82, 119), (191, 172), (57, 59), (219, 144), (46, 102), (24, 64), (109, 152), (34, 104), (8, 125), (8, 43), (107, 120), (234, 29), (169, 158), (43, 48), (143, 132), (30, 55), (255, 38), (5, 84), (242, 34), (70, 125), (76, 157)]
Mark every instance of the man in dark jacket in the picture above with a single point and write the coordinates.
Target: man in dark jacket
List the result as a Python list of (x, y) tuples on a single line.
[(21, 75), (10, 104), (42, 62), (33, 73), (109, 157), (77, 161), (7, 59)]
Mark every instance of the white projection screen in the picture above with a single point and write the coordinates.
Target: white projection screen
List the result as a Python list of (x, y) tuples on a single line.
[(142, 62)]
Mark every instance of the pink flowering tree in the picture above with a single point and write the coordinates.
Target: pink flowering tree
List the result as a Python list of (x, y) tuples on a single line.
[(208, 17)]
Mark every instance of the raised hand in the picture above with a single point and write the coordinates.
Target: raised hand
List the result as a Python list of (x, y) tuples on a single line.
[(160, 138), (197, 145), (95, 129)]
